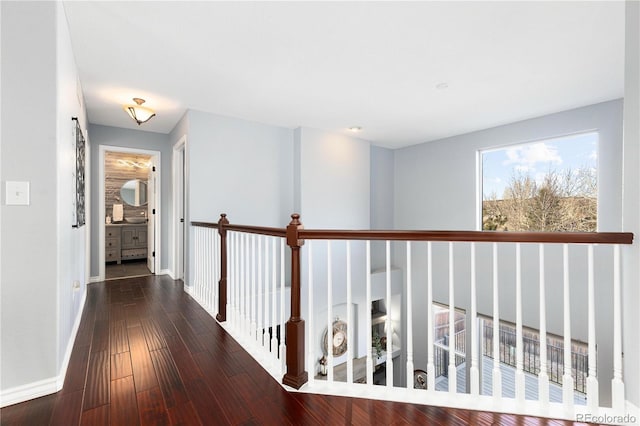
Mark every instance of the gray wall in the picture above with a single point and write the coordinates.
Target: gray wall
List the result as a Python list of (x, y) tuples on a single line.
[(631, 203), (39, 306), (238, 167), (382, 187), (332, 184), (117, 137), (435, 188), (241, 168)]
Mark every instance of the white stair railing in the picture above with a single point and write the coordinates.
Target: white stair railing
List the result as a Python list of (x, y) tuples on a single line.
[(340, 281), (505, 275)]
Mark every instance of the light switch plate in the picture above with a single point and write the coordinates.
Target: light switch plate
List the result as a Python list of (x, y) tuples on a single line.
[(17, 193)]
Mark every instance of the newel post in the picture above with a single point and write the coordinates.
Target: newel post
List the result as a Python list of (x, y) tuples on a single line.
[(222, 284), (296, 376)]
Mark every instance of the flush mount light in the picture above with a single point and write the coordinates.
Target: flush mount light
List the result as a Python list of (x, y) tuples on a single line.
[(355, 129), (139, 113)]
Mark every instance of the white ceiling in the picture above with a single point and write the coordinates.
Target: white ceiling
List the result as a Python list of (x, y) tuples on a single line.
[(332, 65)]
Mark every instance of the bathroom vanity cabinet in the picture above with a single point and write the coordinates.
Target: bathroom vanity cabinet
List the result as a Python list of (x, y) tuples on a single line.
[(125, 242)]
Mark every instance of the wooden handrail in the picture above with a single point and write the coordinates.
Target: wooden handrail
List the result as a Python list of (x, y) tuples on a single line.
[(424, 235), (469, 236), (295, 234), (249, 229)]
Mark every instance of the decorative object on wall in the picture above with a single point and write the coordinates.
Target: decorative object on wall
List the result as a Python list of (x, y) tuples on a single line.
[(419, 379), (78, 179), (139, 113), (339, 343)]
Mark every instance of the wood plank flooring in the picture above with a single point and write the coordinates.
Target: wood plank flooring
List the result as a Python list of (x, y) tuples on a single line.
[(147, 354)]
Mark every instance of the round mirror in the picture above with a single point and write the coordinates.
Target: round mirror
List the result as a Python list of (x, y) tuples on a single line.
[(134, 192)]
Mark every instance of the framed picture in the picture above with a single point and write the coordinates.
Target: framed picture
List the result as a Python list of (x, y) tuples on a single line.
[(78, 210), (339, 342)]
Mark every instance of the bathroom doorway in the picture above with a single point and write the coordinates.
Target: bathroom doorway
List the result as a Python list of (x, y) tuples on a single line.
[(129, 196)]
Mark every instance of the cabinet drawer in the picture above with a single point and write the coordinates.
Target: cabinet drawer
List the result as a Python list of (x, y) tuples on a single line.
[(112, 243), (111, 254), (113, 232), (134, 254)]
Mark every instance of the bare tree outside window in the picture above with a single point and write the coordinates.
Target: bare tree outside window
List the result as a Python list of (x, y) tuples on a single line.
[(544, 186)]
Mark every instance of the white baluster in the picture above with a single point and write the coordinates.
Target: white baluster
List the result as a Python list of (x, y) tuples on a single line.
[(567, 379), (217, 266), (238, 280), (410, 367), (453, 382), (543, 376), (431, 369), (247, 287), (389, 326), (231, 279), (474, 372), (311, 359), (198, 261), (265, 294), (368, 320), (274, 279), (593, 400), (208, 264), (617, 385), (329, 315), (253, 295), (283, 346), (496, 373), (519, 350), (349, 316), (260, 280)]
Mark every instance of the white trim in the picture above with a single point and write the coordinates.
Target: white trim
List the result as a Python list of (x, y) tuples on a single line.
[(167, 272), (94, 279), (29, 391), (51, 385), (180, 145), (156, 160), (71, 342)]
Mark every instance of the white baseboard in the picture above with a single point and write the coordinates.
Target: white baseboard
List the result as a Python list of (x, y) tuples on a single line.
[(29, 391), (167, 272), (94, 279), (47, 386), (71, 342)]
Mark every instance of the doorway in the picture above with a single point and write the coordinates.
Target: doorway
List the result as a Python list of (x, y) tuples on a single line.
[(129, 197), (180, 195)]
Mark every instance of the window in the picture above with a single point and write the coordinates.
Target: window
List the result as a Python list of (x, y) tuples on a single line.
[(547, 185)]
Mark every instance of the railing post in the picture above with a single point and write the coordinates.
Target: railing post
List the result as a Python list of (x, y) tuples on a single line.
[(222, 284), (296, 376)]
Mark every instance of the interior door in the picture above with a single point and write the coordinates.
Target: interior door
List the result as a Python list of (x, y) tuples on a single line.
[(151, 215), (180, 196)]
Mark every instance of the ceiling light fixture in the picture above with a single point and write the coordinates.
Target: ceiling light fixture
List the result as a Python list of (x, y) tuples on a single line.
[(355, 129), (139, 113)]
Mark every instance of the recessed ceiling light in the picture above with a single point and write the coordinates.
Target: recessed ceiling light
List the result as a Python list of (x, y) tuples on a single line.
[(355, 129), (442, 86)]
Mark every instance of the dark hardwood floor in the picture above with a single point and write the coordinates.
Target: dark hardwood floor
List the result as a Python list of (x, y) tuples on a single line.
[(147, 354)]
